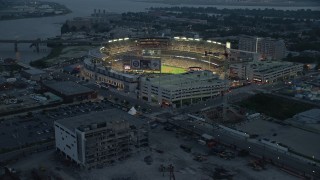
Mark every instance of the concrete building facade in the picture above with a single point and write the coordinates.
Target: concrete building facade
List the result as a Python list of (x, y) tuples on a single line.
[(267, 48), (182, 89), (265, 71), (101, 138), (126, 82)]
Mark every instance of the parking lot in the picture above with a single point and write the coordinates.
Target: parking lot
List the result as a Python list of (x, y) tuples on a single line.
[(23, 130)]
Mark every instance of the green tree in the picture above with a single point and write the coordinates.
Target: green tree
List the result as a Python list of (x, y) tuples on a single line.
[(73, 29)]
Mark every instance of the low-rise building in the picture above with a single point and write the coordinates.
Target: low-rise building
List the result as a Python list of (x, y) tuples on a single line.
[(265, 71), (69, 90), (100, 138), (34, 74), (182, 89), (308, 117)]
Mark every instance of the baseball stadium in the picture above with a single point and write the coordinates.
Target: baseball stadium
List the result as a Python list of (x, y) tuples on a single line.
[(162, 55), (125, 64)]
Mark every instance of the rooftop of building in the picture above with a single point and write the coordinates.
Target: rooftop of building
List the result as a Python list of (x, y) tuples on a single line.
[(100, 119), (189, 79), (260, 38), (269, 66), (310, 117), (34, 71), (67, 88)]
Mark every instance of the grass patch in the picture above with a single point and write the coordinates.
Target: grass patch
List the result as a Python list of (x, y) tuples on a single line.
[(276, 107), (172, 69), (42, 63)]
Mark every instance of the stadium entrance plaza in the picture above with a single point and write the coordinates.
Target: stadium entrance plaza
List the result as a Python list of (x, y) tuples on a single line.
[(184, 166)]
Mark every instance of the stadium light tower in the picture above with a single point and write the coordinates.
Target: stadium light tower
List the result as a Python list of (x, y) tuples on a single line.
[(209, 54), (225, 78)]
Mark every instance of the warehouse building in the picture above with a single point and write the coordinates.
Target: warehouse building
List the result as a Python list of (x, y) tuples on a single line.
[(265, 71), (100, 138), (34, 74), (69, 90), (182, 89)]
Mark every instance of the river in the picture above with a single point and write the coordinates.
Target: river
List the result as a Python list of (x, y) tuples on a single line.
[(50, 26)]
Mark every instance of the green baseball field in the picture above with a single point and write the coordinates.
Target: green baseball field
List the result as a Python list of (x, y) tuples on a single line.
[(172, 69)]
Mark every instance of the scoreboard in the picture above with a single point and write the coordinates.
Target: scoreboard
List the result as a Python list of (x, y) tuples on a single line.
[(153, 64)]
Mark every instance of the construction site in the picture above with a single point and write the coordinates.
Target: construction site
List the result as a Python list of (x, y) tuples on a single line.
[(174, 154), (232, 115)]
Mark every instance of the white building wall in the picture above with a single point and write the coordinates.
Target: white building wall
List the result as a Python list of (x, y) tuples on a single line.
[(246, 71), (66, 141), (187, 91)]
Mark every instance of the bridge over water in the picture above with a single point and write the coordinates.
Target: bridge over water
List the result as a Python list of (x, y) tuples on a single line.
[(37, 42)]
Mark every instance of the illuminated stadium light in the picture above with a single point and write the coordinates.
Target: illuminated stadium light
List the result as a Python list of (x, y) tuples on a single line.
[(228, 45), (209, 41), (214, 42), (115, 40), (176, 37), (110, 41), (102, 48), (218, 43), (197, 39), (191, 39), (126, 39), (209, 62), (120, 39), (184, 38)]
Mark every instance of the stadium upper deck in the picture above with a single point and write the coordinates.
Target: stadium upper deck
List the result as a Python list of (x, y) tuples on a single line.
[(180, 44)]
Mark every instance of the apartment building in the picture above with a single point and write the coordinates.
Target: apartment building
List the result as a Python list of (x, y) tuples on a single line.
[(267, 48)]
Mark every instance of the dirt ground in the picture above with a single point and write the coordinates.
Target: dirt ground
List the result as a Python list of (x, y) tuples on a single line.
[(135, 168)]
